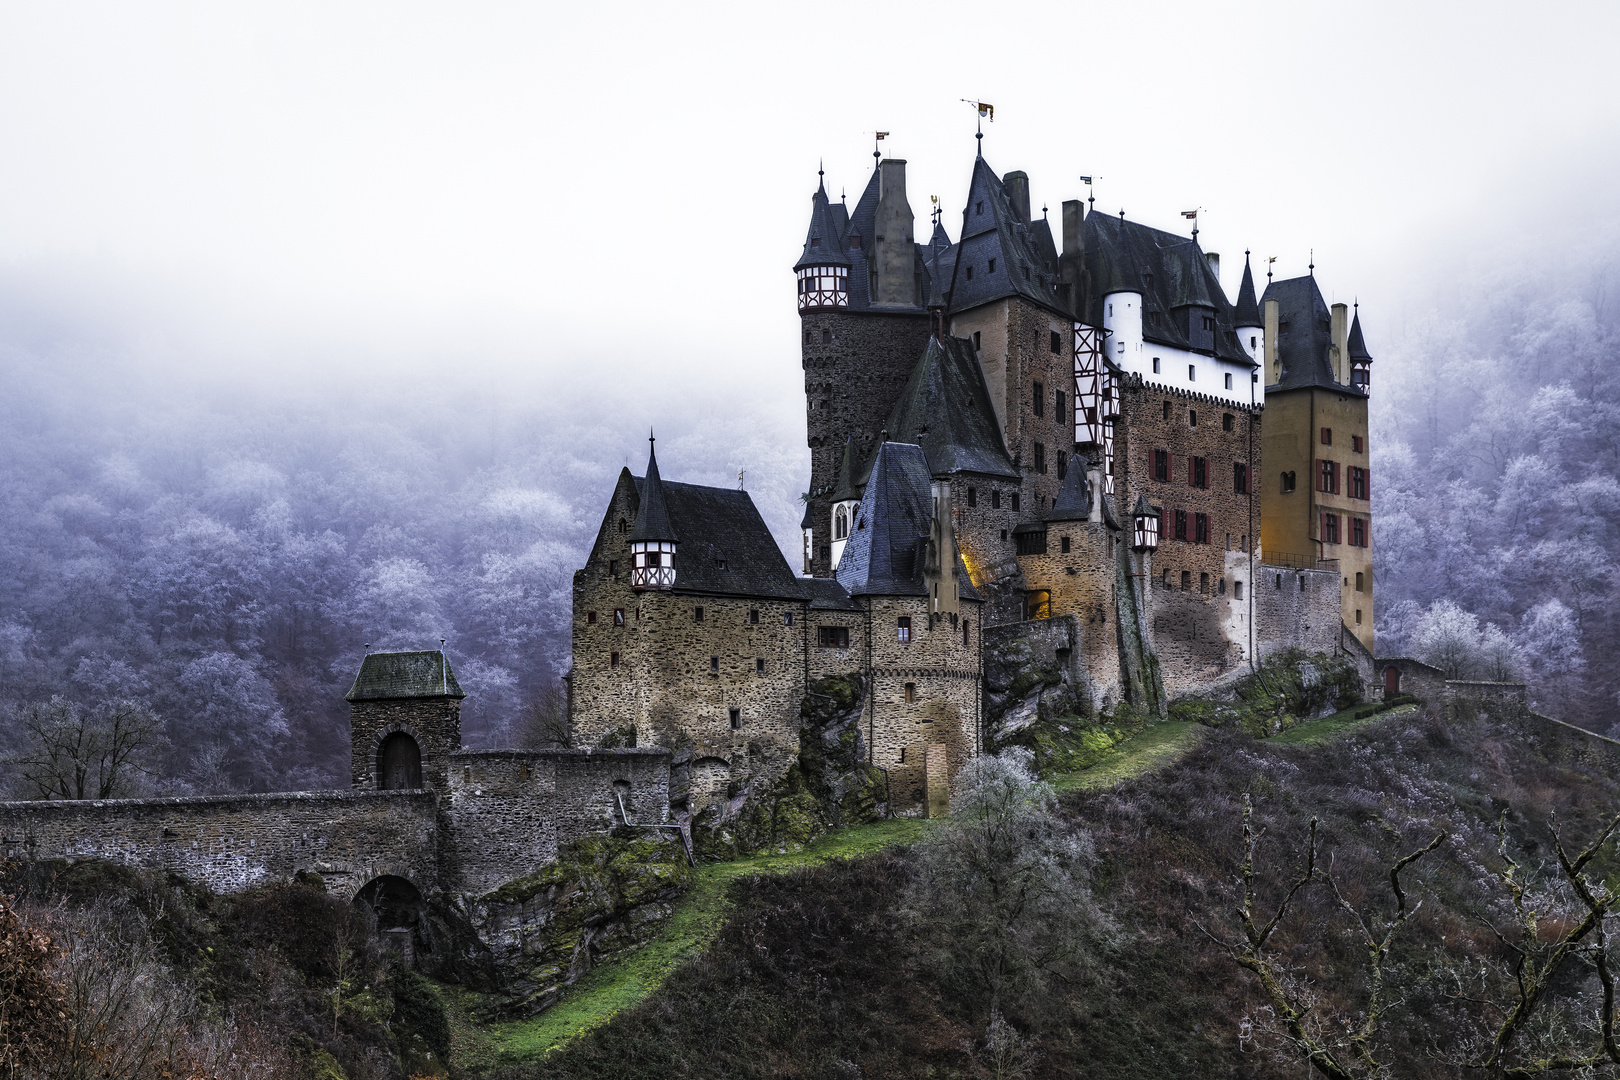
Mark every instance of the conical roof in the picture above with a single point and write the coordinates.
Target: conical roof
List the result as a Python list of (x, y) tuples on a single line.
[(1247, 311), (845, 488), (1073, 502), (882, 555), (1356, 347), (946, 409), (824, 243), (652, 519), (999, 254)]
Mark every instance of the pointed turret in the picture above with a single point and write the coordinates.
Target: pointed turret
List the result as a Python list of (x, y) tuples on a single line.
[(823, 268), (1246, 315), (1360, 358), (846, 496), (1073, 502), (653, 540), (890, 530)]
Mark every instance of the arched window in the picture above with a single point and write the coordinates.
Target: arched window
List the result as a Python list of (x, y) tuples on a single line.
[(840, 523), (399, 763)]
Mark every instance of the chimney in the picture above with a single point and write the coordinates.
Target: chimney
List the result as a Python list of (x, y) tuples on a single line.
[(1072, 263), (1273, 365), (894, 255), (1339, 351), (1214, 261), (1017, 185)]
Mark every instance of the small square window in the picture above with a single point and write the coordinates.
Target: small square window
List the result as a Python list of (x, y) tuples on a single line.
[(1155, 365), (1064, 545), (1015, 500), (1229, 380), (613, 569), (613, 660), (714, 665), (1192, 417), (1355, 444), (992, 266), (1186, 580), (903, 631), (753, 616), (618, 616), (1358, 616), (1237, 590), (1004, 534), (970, 278), (736, 719), (1057, 342), (1327, 436), (1228, 421), (1038, 399), (1167, 410), (975, 333), (759, 665), (787, 618), (973, 496), (1192, 372), (995, 500), (697, 614), (826, 337), (590, 618), (911, 691)]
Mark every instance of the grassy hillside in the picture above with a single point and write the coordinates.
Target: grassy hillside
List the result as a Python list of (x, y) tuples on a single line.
[(817, 973)]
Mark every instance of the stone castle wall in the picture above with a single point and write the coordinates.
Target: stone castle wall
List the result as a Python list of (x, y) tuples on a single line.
[(233, 842), (435, 724), (1296, 609), (1082, 586)]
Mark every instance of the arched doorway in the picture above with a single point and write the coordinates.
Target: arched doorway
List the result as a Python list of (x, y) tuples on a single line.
[(396, 905), (1392, 681), (399, 763)]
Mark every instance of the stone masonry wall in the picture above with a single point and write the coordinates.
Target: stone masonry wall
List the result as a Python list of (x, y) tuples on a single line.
[(944, 676), (1081, 584), (435, 724), (855, 366), (233, 842), (1297, 609), (510, 811)]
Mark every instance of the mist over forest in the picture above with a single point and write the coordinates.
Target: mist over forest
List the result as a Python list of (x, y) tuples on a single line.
[(223, 547)]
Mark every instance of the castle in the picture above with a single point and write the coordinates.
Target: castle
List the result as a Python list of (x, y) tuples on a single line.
[(1002, 432), (1088, 454)]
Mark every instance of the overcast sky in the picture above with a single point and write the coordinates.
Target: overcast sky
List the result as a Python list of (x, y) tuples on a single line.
[(553, 188)]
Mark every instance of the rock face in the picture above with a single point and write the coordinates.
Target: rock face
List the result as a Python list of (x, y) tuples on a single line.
[(604, 896), (828, 786), (1291, 686), (1030, 675)]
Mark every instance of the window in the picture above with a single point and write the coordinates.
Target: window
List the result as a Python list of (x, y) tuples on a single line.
[(1186, 580), (840, 523), (624, 526), (1327, 436), (1198, 472), (978, 207), (1181, 524), (1358, 534), (1057, 407), (618, 616), (1155, 365), (613, 569), (832, 637), (1161, 465), (1015, 500), (1359, 578), (1057, 342), (995, 500), (1287, 482), (1004, 534), (1240, 478), (1064, 545), (1192, 417), (613, 660), (807, 338), (992, 266), (1031, 543), (903, 631), (911, 692), (1327, 476), (1203, 584), (714, 665), (826, 337), (1039, 399), (964, 633), (1358, 482), (975, 333), (787, 618), (697, 614), (736, 719), (1220, 587), (973, 496), (970, 278), (753, 616), (759, 665), (1228, 421), (1040, 458), (1237, 590), (1330, 528), (1192, 372), (1356, 446), (1200, 528), (1358, 616), (1063, 466), (1229, 386), (590, 618)]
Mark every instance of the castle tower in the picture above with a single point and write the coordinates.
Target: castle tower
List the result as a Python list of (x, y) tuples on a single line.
[(404, 721), (1246, 316), (653, 540), (1360, 359), (862, 280)]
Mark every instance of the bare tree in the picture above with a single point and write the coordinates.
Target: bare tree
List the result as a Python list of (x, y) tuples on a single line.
[(543, 721), (1507, 1029), (78, 753)]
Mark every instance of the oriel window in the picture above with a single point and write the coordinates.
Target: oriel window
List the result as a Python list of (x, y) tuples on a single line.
[(903, 632)]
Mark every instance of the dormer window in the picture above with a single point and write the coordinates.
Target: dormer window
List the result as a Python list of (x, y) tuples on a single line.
[(815, 241), (970, 273), (854, 241), (979, 207), (992, 266)]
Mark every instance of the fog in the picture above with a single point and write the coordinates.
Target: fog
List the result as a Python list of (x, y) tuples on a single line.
[(328, 325)]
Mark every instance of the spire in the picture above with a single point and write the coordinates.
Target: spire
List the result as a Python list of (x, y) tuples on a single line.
[(1073, 502), (845, 489), (1356, 347), (824, 243), (652, 521), (1247, 310)]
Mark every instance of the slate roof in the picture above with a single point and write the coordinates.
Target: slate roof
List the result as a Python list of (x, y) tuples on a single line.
[(1356, 347), (1304, 335), (846, 239), (945, 408), (1169, 271), (824, 242), (389, 676), (725, 547), (826, 594), (887, 546), (1246, 312), (846, 488), (1022, 264), (1073, 502), (652, 514)]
